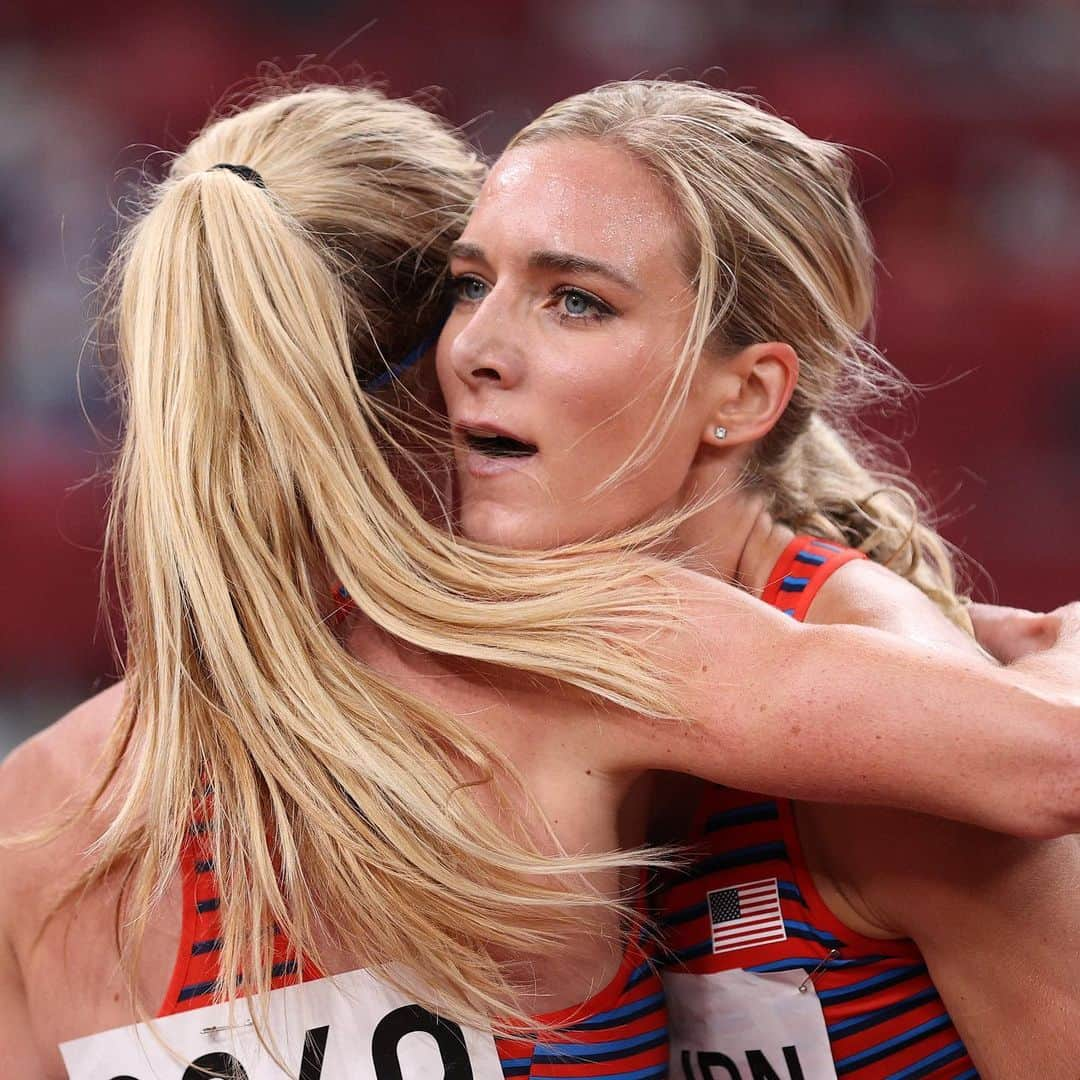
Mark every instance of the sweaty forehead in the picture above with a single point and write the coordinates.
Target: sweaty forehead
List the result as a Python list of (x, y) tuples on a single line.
[(579, 196)]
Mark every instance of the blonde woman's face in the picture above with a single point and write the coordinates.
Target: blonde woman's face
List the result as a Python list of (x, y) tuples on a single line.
[(571, 307)]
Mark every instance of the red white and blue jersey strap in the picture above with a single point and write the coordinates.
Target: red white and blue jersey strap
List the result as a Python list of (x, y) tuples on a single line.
[(806, 564)]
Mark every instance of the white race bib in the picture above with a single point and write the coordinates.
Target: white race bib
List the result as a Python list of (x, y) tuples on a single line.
[(740, 1025), (354, 1028)]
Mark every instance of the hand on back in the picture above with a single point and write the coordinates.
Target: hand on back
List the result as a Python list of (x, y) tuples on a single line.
[(1009, 633)]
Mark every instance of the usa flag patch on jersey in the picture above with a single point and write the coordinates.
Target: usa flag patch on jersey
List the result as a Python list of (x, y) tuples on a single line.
[(745, 915)]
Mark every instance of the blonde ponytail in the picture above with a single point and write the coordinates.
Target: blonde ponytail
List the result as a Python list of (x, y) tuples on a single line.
[(247, 319)]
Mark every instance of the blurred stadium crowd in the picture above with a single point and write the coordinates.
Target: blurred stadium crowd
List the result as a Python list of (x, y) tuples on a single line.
[(966, 115)]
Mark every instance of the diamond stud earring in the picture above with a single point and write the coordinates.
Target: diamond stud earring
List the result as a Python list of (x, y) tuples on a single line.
[(720, 432)]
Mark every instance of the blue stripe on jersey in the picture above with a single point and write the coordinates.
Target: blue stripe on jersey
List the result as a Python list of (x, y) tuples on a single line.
[(204, 866), (743, 815), (601, 1051), (897, 1042), (886, 1012), (624, 1014), (794, 584), (637, 1074), (202, 947), (640, 1074), (868, 986), (691, 952), (809, 963), (196, 990), (811, 933), (286, 967), (793, 929), (203, 906), (932, 1062), (739, 857), (810, 558), (790, 891), (686, 914), (638, 975)]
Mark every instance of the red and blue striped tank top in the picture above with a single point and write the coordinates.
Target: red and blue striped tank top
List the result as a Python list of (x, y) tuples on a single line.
[(747, 906), (620, 1033)]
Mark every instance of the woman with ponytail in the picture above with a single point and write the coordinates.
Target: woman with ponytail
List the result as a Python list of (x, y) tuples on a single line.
[(710, 362), (435, 802)]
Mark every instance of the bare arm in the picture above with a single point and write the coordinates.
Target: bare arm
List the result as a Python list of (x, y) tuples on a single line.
[(21, 909), (851, 714), (994, 916), (996, 919), (58, 977), (18, 1051)]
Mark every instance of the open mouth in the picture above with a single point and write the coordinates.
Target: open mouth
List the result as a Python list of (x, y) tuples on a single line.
[(498, 446)]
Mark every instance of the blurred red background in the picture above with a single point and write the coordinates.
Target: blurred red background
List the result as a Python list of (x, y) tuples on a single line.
[(966, 116)]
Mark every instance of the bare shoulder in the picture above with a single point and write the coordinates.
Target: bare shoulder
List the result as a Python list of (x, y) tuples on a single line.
[(57, 763), (865, 593), (38, 779)]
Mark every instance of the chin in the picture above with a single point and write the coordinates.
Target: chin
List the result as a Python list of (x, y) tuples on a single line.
[(501, 528)]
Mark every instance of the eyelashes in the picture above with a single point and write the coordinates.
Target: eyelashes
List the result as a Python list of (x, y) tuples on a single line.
[(572, 304), (570, 295), (459, 286)]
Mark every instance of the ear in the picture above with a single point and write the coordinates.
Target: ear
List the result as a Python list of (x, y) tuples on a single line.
[(748, 392)]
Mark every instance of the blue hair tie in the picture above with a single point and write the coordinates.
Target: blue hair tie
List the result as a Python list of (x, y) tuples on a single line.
[(411, 359)]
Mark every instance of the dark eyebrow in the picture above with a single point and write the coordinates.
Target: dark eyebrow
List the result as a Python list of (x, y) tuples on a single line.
[(579, 264), (460, 249), (551, 260)]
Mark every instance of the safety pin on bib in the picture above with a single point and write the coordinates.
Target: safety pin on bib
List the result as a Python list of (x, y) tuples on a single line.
[(215, 1028), (814, 974)]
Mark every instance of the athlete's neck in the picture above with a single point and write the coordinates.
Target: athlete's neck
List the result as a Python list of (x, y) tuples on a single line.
[(736, 539)]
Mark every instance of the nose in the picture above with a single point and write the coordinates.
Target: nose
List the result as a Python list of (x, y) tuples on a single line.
[(485, 351)]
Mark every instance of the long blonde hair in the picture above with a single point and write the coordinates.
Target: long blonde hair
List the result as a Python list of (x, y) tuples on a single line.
[(247, 319), (778, 251)]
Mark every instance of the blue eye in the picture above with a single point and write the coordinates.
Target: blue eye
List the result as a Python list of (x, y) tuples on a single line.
[(577, 305), (470, 289)]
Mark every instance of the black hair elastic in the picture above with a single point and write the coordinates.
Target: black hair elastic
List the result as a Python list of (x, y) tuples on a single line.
[(244, 172)]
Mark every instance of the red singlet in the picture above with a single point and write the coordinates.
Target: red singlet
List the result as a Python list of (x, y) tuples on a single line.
[(746, 926)]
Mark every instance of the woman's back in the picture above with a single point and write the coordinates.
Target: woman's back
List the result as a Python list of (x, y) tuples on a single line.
[(70, 965)]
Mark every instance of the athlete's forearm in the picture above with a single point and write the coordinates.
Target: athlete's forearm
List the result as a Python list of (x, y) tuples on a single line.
[(841, 713), (996, 747)]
